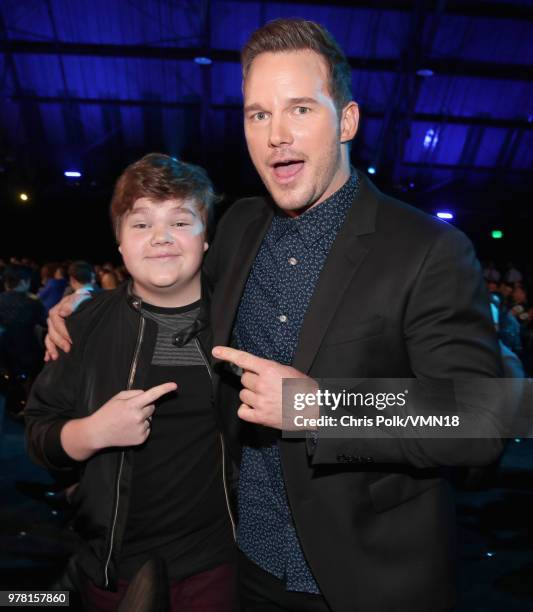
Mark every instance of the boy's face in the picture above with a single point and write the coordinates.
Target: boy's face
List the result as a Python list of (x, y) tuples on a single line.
[(162, 245)]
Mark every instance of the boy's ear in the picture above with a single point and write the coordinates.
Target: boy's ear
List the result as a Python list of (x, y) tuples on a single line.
[(206, 246), (119, 249)]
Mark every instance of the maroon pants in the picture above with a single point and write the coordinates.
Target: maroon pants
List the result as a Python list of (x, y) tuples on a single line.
[(211, 591)]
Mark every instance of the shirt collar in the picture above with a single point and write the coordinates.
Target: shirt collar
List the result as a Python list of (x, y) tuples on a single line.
[(326, 217)]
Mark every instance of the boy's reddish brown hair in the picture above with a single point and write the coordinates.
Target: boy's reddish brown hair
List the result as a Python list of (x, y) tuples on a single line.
[(161, 177)]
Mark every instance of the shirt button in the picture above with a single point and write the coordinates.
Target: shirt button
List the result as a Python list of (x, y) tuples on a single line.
[(293, 261), (282, 318)]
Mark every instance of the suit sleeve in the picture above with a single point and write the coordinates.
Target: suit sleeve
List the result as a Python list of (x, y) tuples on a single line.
[(449, 335)]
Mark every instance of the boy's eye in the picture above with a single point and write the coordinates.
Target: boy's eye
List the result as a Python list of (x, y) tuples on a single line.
[(181, 224), (139, 225)]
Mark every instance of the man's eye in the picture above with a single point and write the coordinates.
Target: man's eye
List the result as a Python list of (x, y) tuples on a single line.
[(260, 116), (302, 110)]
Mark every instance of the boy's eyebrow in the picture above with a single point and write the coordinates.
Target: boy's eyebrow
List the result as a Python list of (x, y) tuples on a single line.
[(142, 209)]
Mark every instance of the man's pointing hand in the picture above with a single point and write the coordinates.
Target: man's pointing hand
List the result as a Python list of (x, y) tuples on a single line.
[(261, 395)]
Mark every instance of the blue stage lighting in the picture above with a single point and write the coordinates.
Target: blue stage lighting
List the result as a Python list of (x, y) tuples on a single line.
[(203, 61), (431, 139), (72, 174), (444, 215), (371, 170)]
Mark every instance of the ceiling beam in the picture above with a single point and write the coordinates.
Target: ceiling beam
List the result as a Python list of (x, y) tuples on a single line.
[(464, 8), (444, 66), (494, 122)]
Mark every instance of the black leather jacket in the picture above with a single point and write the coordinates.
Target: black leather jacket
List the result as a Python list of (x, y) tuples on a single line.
[(111, 352)]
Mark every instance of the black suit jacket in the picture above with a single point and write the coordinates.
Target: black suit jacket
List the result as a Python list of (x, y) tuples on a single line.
[(400, 295)]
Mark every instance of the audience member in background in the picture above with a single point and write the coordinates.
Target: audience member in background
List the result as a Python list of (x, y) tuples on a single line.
[(505, 290), (82, 281), (20, 313), (512, 275), (53, 287), (507, 326), (122, 274), (108, 279), (519, 305), (492, 286), (491, 273)]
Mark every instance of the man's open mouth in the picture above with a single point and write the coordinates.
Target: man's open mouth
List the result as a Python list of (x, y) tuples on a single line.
[(286, 170)]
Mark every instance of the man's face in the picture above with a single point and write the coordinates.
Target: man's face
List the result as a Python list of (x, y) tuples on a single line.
[(293, 130), (162, 244)]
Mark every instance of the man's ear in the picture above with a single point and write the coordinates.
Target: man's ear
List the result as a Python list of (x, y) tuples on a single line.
[(119, 249), (349, 121), (206, 246)]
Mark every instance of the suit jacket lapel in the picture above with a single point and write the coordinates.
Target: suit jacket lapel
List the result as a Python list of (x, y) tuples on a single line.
[(227, 296), (345, 257)]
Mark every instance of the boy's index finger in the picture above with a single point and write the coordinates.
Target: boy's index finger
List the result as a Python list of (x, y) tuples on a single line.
[(153, 394), (242, 359)]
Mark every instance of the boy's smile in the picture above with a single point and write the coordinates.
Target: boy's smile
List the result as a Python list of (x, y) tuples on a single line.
[(162, 244)]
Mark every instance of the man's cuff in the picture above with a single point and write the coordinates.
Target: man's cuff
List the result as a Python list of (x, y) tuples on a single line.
[(311, 440)]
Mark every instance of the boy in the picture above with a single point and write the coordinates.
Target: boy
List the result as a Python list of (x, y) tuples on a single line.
[(152, 462)]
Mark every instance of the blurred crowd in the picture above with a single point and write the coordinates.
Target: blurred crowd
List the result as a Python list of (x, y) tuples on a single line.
[(512, 309), (27, 292)]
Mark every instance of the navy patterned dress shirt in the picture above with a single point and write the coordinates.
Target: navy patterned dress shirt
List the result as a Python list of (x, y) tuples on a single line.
[(276, 297)]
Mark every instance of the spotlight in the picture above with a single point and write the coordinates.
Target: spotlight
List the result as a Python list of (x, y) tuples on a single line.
[(203, 61), (497, 234), (72, 174), (24, 197), (371, 170), (431, 139), (425, 72), (444, 214)]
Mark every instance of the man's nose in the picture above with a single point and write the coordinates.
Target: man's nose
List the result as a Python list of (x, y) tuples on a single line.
[(280, 132)]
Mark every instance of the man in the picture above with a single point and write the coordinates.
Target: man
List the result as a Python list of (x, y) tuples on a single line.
[(20, 313), (341, 525), (329, 527), (81, 281)]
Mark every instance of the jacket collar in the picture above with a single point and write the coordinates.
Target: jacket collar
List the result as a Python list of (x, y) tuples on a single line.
[(185, 335)]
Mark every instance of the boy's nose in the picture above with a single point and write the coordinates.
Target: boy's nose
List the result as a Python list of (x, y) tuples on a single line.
[(162, 237)]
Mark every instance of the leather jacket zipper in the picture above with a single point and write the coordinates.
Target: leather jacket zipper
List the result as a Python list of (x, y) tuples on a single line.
[(131, 378), (222, 446)]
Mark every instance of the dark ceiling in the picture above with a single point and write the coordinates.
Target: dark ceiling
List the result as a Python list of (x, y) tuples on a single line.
[(92, 85)]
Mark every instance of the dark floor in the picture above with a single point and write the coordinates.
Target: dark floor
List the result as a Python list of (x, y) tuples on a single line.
[(495, 529)]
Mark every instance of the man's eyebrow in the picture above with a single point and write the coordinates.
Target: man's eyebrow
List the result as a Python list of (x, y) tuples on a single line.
[(291, 101), (252, 107), (304, 100)]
